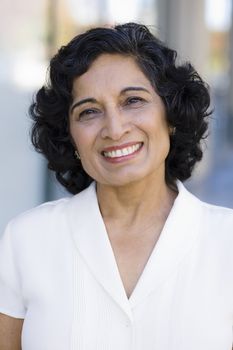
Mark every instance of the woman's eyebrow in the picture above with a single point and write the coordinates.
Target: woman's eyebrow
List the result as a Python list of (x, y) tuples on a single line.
[(85, 100), (134, 88)]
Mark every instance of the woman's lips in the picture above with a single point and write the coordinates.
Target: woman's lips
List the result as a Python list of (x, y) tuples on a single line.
[(118, 153)]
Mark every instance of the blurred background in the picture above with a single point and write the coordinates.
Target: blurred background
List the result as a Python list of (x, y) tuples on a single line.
[(32, 31)]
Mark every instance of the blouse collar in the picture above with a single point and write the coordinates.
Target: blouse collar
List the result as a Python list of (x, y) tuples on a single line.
[(92, 243)]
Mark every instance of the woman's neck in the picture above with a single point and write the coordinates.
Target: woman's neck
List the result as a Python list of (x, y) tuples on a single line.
[(137, 203)]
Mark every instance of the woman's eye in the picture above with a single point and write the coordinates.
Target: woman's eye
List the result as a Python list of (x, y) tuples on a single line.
[(134, 101), (88, 113)]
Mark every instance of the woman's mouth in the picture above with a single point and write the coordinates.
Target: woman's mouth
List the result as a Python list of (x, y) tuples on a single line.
[(122, 152)]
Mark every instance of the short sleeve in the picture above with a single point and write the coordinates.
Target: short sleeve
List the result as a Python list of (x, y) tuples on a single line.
[(11, 299)]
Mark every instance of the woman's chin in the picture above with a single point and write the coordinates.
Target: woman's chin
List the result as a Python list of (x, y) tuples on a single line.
[(124, 180)]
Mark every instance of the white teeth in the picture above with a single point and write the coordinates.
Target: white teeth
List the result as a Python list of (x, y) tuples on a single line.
[(122, 152)]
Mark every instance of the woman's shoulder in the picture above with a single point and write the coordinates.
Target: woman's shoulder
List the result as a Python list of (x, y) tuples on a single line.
[(218, 221), (216, 227), (215, 212), (49, 216), (214, 219), (40, 214)]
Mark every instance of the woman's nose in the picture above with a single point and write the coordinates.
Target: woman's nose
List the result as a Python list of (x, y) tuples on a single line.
[(115, 126)]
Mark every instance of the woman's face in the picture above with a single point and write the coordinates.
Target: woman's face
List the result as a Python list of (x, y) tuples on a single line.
[(118, 123)]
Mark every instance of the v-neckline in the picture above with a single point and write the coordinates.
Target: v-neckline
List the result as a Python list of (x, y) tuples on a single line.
[(92, 242)]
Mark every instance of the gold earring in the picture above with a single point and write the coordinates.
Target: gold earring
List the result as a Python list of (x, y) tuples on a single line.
[(172, 130), (77, 155)]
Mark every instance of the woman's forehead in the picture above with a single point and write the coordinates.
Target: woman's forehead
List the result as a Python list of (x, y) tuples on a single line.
[(111, 72)]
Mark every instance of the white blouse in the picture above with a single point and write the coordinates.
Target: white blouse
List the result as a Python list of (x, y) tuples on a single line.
[(59, 273)]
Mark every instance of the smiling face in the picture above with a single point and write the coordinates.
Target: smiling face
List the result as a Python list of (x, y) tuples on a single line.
[(118, 123)]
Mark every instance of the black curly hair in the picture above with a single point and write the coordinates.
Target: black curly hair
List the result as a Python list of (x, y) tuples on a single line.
[(184, 93)]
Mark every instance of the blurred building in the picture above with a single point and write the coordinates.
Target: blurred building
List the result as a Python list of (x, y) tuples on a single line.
[(200, 30)]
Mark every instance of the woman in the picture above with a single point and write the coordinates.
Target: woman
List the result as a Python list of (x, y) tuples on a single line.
[(132, 260)]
